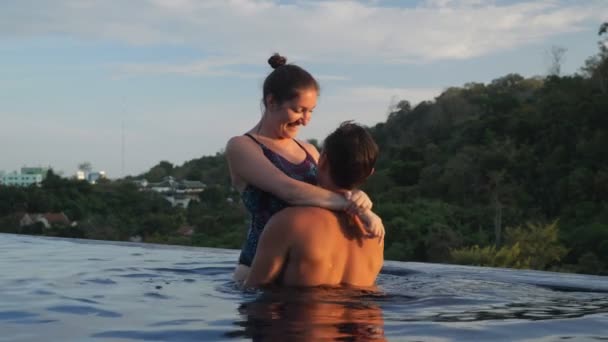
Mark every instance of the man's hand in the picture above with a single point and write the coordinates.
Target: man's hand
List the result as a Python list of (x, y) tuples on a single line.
[(373, 224)]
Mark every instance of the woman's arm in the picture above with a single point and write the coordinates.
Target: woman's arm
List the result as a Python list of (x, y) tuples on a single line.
[(248, 165), (372, 224)]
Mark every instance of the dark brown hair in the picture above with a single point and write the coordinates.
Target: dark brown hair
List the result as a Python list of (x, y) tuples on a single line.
[(351, 153), (286, 80)]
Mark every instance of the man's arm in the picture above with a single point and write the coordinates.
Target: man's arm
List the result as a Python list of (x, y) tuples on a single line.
[(272, 250)]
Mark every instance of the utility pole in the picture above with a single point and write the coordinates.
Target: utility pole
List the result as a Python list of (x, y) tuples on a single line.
[(122, 150)]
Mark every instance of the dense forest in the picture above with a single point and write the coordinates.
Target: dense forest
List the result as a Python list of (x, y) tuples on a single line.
[(513, 173)]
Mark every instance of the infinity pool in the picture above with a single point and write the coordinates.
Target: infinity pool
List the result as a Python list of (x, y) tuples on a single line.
[(82, 290)]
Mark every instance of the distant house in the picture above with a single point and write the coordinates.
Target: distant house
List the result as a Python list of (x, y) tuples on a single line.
[(28, 176), (47, 219), (167, 184), (186, 230), (59, 219), (191, 186), (135, 238), (178, 193), (180, 200), (29, 219), (90, 176), (141, 183), (39, 170)]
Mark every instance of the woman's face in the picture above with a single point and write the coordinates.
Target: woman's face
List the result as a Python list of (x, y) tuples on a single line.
[(290, 115)]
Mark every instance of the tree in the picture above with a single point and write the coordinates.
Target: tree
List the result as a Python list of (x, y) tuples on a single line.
[(404, 106), (213, 196), (603, 29), (556, 59), (158, 172), (531, 246), (539, 244), (315, 143), (596, 67), (85, 166), (52, 180), (496, 179)]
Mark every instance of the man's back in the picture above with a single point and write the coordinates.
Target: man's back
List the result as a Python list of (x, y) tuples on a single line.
[(327, 248), (310, 246)]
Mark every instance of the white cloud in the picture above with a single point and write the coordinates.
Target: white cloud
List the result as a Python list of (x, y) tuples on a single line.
[(203, 67), (458, 3), (334, 31), (326, 77)]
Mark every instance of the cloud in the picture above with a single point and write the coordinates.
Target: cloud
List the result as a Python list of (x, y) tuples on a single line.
[(203, 67), (326, 77), (333, 31)]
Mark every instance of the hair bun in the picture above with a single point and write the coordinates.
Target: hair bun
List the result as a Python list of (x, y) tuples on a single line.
[(277, 60)]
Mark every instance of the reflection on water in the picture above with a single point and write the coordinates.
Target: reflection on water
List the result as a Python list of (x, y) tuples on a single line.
[(65, 290), (311, 315)]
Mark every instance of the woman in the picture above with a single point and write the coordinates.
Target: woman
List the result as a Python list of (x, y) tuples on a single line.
[(272, 170)]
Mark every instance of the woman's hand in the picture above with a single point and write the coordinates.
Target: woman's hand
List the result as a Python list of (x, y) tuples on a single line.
[(358, 202), (372, 224)]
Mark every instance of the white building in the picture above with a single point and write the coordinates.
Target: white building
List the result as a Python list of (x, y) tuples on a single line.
[(90, 176), (178, 193), (28, 176), (93, 177), (179, 201), (80, 175), (35, 171)]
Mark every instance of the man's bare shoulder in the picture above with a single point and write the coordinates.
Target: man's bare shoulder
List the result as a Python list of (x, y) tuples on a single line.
[(296, 214), (301, 218)]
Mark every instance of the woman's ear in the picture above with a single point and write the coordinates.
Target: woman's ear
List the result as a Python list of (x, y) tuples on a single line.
[(371, 172), (270, 101)]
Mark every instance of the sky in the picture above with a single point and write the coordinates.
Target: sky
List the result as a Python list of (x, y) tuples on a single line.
[(126, 84)]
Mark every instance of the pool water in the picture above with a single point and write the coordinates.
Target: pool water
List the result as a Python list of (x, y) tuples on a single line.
[(83, 290)]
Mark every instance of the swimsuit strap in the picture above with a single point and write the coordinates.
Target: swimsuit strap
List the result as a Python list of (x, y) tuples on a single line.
[(264, 146), (302, 147), (254, 139)]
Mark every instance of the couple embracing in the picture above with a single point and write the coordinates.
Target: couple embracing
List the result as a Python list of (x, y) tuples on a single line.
[(309, 224)]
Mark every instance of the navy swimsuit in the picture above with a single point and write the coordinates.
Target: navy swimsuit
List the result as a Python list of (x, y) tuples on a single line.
[(262, 205)]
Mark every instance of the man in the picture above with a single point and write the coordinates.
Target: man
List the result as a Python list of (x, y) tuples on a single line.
[(311, 246)]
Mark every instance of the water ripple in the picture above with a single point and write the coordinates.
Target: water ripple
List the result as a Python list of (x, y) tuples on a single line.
[(155, 295), (83, 310), (164, 335), (101, 281), (12, 315), (171, 293), (200, 270), (176, 322)]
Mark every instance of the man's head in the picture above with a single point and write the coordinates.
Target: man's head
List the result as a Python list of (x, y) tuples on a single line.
[(348, 156)]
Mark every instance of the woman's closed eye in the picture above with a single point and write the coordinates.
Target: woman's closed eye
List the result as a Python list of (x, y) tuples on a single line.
[(302, 110)]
